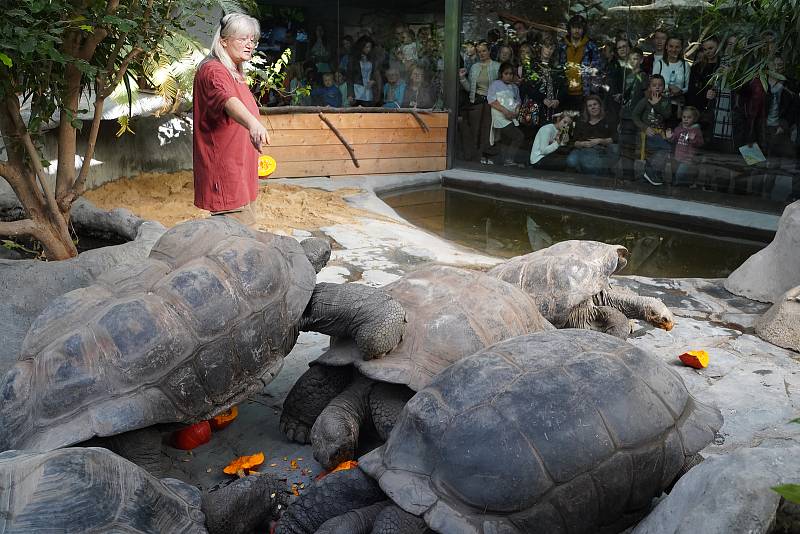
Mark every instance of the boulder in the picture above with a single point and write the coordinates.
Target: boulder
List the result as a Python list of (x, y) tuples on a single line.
[(771, 272), (726, 494), (781, 324)]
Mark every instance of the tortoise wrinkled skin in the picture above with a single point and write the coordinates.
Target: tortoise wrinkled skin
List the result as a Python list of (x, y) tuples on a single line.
[(201, 324), (560, 431)]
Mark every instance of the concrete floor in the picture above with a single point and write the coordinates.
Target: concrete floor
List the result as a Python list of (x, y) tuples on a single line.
[(756, 385)]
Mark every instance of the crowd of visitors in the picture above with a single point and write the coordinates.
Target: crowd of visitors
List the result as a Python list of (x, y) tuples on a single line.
[(653, 108), (571, 102), (404, 71)]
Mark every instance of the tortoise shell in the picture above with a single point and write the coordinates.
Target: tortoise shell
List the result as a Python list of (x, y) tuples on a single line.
[(201, 324), (91, 490), (451, 314), (563, 276), (558, 431)]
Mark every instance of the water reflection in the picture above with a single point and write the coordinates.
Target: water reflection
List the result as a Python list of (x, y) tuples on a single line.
[(507, 229)]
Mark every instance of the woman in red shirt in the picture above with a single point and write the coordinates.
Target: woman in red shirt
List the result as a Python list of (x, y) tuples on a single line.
[(228, 135)]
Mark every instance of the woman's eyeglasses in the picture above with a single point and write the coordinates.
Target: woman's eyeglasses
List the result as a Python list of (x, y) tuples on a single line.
[(245, 40)]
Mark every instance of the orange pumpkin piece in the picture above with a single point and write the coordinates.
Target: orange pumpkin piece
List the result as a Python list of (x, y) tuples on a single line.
[(695, 358), (344, 466), (246, 464), (192, 436), (224, 419)]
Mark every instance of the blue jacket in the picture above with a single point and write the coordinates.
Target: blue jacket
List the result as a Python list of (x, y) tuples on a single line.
[(327, 96)]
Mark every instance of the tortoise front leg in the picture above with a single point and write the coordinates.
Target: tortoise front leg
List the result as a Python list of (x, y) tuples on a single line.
[(246, 505), (312, 392), (359, 521), (610, 321), (333, 496), (394, 520), (366, 314)]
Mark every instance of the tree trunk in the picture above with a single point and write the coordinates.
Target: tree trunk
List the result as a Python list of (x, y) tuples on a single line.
[(51, 228), (46, 223), (56, 239)]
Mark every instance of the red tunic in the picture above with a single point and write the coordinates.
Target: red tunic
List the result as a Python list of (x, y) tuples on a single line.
[(225, 161)]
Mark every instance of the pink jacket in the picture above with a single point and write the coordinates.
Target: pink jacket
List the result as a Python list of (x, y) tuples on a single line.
[(685, 145)]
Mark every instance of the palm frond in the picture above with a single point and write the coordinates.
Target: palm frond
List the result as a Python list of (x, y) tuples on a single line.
[(249, 7)]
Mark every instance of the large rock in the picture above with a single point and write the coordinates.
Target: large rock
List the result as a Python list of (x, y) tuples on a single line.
[(781, 324), (771, 272), (726, 494)]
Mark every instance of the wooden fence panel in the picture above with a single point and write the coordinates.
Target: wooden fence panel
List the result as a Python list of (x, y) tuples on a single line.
[(360, 136), (294, 169), (383, 143), (373, 151)]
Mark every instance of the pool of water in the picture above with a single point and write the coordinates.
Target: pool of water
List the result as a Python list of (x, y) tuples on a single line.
[(504, 228)]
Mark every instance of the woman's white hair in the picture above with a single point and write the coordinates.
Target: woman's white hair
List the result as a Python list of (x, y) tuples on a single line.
[(232, 25)]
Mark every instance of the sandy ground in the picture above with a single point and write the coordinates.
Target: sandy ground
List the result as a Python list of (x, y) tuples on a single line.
[(169, 199)]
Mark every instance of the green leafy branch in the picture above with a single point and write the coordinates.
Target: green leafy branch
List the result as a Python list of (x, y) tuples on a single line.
[(790, 492), (264, 77)]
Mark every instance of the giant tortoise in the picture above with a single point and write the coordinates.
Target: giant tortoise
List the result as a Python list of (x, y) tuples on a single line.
[(452, 313), (200, 325), (564, 431), (570, 282), (93, 490)]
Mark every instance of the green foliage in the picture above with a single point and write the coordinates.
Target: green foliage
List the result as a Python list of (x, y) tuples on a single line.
[(265, 77), (41, 41), (9, 244), (762, 30), (170, 71), (249, 7), (291, 14), (790, 492)]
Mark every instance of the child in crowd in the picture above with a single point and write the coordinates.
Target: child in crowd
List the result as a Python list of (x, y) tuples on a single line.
[(406, 53), (297, 78), (469, 54), (686, 137), (503, 97), (634, 82), (328, 94), (341, 83), (393, 89), (549, 138), (651, 115)]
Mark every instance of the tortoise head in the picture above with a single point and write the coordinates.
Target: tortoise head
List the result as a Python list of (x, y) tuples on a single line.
[(622, 259), (657, 314), (318, 251), (334, 437)]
